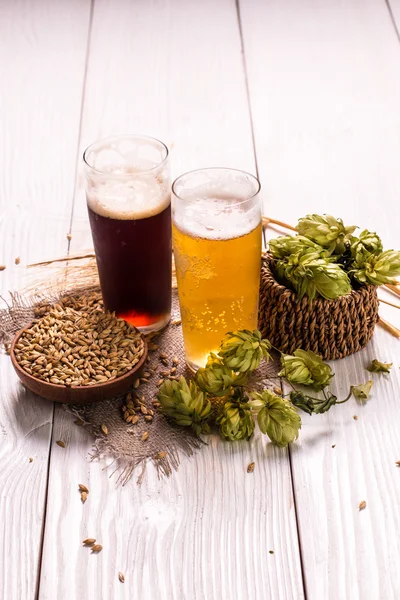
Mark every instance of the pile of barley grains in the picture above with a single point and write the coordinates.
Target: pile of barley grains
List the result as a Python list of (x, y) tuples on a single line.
[(79, 345)]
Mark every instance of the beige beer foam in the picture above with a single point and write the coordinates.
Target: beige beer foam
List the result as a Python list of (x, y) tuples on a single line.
[(136, 197), (123, 185)]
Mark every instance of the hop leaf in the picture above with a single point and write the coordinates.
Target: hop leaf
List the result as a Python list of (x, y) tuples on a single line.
[(312, 405), (185, 404), (302, 401), (306, 368), (278, 419), (368, 242), (326, 231), (235, 420), (310, 274), (361, 392), (379, 367), (284, 246), (242, 350), (217, 379), (378, 269), (323, 406)]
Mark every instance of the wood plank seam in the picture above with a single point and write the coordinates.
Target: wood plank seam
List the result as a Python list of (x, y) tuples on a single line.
[(246, 81), (89, 38), (392, 18), (302, 567), (40, 557)]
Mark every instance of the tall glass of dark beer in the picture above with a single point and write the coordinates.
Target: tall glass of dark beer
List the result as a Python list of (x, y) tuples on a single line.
[(129, 205)]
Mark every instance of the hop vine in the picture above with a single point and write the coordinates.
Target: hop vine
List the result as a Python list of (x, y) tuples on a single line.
[(219, 397)]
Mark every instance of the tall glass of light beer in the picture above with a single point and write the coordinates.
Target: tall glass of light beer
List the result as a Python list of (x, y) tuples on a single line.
[(217, 236), (129, 205)]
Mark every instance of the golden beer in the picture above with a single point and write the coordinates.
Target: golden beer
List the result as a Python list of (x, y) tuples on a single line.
[(216, 234), (218, 282)]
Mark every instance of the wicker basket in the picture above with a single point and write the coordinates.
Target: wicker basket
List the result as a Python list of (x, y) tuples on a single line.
[(331, 328)]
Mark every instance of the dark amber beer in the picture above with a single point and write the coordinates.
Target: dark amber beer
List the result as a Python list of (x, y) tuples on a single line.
[(129, 209)]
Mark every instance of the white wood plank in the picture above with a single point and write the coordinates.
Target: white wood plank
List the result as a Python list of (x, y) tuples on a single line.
[(347, 553), (325, 91), (174, 70), (171, 69), (204, 533), (42, 57)]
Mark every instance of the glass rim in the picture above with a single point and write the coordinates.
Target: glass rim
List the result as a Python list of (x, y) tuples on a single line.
[(253, 177), (119, 137)]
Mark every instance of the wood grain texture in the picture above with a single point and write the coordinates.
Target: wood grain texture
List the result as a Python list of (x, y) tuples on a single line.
[(164, 68), (347, 553), (41, 43), (205, 533), (324, 89)]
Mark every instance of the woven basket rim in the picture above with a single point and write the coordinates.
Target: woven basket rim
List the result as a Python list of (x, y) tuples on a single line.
[(268, 262)]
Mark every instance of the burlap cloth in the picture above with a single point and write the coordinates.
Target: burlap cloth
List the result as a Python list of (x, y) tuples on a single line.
[(124, 441)]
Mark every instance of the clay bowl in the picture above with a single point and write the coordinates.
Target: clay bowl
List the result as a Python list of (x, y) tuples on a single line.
[(76, 394)]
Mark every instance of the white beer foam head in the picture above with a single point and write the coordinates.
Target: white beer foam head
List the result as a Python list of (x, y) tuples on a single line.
[(211, 211), (125, 180)]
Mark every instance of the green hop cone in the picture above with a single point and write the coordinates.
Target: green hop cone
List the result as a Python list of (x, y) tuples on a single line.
[(217, 379), (310, 274), (235, 420), (368, 242), (242, 350), (284, 246), (326, 231), (306, 368), (379, 367), (186, 404), (378, 269), (278, 418)]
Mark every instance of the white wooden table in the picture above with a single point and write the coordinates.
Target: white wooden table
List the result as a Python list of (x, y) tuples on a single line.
[(307, 94)]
